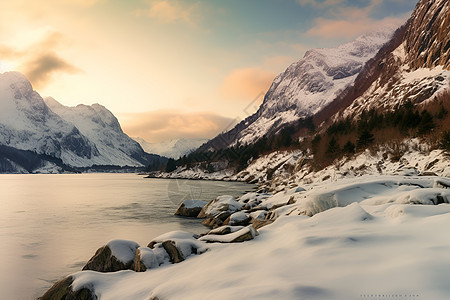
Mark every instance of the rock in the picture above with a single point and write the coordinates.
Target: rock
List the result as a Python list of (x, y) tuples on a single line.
[(428, 174), (62, 290), (238, 219), (291, 200), (245, 234), (115, 256), (174, 253), (138, 265), (217, 221), (225, 230), (258, 223), (190, 208), (220, 204)]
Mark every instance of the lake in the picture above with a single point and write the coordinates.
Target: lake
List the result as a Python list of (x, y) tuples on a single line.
[(50, 225)]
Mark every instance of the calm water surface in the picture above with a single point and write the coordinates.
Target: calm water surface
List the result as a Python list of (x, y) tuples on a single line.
[(50, 225)]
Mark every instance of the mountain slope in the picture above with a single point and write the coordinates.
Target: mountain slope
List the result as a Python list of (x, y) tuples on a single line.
[(172, 148), (102, 128), (304, 88)]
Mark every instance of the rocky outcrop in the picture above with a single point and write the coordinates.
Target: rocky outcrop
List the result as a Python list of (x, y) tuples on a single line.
[(62, 290)]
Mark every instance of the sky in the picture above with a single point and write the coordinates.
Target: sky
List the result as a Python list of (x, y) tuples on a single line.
[(175, 68)]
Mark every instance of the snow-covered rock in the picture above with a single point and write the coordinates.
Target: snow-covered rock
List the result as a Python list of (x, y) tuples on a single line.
[(223, 203), (238, 219), (114, 256), (190, 208), (242, 235), (179, 245)]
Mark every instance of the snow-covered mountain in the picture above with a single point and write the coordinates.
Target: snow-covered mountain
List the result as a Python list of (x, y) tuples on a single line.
[(172, 148), (305, 88), (102, 128), (81, 136)]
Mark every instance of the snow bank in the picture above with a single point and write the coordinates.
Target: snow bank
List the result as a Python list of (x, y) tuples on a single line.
[(347, 252)]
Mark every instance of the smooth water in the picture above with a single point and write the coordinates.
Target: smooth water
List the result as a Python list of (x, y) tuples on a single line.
[(50, 225)]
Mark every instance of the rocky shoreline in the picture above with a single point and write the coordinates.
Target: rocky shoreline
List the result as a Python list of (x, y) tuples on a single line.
[(366, 199), (224, 215)]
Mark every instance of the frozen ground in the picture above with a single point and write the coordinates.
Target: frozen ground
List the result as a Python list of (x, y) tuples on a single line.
[(370, 237)]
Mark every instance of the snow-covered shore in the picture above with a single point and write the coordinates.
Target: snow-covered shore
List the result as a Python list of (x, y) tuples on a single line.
[(356, 238)]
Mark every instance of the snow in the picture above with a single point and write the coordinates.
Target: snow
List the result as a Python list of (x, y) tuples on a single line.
[(123, 250), (350, 252), (150, 258)]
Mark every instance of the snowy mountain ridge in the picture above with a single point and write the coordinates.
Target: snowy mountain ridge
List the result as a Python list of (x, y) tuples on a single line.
[(175, 148), (305, 88), (80, 136)]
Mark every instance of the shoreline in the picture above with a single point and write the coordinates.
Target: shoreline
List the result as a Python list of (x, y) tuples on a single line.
[(282, 209)]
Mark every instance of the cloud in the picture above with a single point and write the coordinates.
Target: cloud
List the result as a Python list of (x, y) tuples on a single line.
[(166, 11), (246, 83), (40, 69), (157, 126), (348, 22), (39, 61)]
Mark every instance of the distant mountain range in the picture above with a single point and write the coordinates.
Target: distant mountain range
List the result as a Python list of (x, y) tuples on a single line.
[(175, 148), (39, 135)]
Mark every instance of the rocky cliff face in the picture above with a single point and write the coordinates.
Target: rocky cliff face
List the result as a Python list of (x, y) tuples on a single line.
[(413, 67), (427, 40)]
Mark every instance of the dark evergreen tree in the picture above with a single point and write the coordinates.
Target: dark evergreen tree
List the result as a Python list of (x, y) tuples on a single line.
[(365, 139), (349, 147), (171, 165), (333, 148), (426, 123), (445, 142)]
